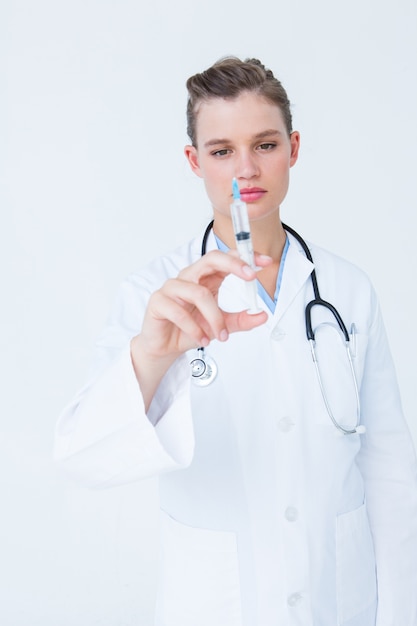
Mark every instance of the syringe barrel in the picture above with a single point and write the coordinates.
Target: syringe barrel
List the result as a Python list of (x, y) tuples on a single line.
[(243, 239), (241, 230), (240, 217)]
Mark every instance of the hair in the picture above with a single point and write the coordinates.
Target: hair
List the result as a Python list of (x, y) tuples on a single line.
[(227, 79)]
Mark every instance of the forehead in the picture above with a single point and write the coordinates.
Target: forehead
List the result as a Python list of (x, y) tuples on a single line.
[(246, 115)]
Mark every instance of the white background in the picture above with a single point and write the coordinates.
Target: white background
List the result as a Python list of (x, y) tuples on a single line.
[(94, 183)]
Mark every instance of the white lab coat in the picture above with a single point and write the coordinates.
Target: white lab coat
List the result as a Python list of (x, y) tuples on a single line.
[(269, 516)]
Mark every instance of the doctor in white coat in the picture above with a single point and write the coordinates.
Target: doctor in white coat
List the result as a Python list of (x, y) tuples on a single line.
[(270, 514)]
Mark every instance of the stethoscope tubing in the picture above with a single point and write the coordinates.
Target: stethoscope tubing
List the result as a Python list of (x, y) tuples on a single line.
[(316, 301)]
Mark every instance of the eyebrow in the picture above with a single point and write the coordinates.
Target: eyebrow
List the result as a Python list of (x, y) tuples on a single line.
[(271, 132)]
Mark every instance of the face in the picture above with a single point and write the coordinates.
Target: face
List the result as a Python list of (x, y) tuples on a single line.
[(244, 138)]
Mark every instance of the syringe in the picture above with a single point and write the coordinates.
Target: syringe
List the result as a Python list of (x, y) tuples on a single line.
[(243, 239)]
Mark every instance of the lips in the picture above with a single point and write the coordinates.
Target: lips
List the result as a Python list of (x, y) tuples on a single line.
[(252, 194)]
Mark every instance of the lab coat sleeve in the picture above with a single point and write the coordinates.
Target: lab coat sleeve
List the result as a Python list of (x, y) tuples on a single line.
[(388, 464), (104, 437)]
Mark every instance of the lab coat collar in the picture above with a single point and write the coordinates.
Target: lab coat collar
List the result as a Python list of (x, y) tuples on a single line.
[(297, 271)]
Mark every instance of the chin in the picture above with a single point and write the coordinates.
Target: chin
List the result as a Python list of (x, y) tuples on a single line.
[(256, 214)]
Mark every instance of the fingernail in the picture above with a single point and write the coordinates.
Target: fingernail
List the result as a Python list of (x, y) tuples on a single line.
[(265, 257), (224, 335), (247, 270), (205, 342)]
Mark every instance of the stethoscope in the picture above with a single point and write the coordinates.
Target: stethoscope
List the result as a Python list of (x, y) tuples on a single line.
[(204, 369)]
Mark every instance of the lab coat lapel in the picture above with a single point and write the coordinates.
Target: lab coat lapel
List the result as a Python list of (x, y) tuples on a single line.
[(297, 270)]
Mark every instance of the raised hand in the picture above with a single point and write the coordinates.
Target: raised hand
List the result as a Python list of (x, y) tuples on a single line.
[(184, 314)]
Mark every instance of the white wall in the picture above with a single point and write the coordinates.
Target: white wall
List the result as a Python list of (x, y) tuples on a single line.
[(92, 127)]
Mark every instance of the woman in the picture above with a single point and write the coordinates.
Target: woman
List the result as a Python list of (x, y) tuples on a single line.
[(270, 513)]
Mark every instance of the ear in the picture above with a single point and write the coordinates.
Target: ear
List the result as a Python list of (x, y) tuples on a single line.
[(192, 158), (295, 146)]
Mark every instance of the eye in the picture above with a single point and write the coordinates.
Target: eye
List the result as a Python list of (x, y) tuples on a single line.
[(267, 146), (221, 153)]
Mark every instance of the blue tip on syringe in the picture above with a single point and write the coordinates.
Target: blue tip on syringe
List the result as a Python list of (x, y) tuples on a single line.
[(243, 240), (235, 189)]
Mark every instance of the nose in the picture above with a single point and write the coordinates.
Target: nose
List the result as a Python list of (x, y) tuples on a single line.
[(246, 166)]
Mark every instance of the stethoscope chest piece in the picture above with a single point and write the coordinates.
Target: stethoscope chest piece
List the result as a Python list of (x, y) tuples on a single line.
[(203, 369)]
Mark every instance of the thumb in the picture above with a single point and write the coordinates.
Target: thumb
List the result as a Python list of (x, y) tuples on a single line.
[(243, 321)]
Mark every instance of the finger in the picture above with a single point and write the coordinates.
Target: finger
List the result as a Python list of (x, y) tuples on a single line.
[(217, 262), (198, 302), (261, 260), (244, 321), (164, 309)]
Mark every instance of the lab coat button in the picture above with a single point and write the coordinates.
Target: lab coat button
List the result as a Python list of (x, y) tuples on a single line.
[(277, 334), (291, 514), (294, 599), (285, 424)]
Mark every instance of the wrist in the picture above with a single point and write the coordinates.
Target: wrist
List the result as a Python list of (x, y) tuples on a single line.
[(149, 368)]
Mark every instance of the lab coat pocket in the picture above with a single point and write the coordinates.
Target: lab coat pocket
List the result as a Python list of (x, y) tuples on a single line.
[(356, 571), (200, 577)]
